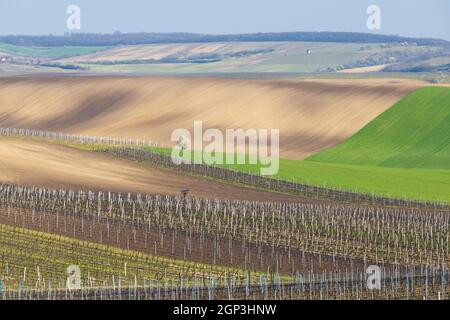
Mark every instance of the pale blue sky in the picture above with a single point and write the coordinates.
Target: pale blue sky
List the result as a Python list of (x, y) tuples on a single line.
[(418, 18)]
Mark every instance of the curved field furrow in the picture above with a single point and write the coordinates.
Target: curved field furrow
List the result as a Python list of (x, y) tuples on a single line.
[(311, 115)]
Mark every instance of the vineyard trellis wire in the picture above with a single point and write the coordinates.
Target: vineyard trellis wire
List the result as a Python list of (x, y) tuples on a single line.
[(286, 231), (410, 284)]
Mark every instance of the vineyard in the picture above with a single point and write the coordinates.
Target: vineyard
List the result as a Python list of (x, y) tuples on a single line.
[(139, 246), (247, 241), (253, 174)]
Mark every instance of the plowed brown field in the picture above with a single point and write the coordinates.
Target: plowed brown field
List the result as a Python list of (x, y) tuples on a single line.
[(40, 163), (311, 115)]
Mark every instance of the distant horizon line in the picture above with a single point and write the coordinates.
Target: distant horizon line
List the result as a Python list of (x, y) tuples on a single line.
[(118, 32)]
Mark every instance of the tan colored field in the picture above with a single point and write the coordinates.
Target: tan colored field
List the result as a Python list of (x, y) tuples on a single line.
[(376, 68), (180, 50), (32, 162), (311, 115)]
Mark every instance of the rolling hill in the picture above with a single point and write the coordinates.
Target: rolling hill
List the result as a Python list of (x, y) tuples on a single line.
[(250, 57), (311, 115), (227, 57), (48, 52), (414, 133), (51, 165)]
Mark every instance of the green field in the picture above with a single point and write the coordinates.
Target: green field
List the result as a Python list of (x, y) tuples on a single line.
[(49, 52), (405, 152), (417, 184), (414, 133)]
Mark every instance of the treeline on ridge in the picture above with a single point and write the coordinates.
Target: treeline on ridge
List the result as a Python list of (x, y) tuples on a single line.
[(117, 38)]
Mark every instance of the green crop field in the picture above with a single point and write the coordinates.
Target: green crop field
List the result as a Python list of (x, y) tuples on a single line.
[(417, 184), (420, 184), (414, 133), (405, 152), (40, 52)]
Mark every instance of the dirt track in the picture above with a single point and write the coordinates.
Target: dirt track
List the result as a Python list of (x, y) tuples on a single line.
[(56, 166), (311, 115)]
